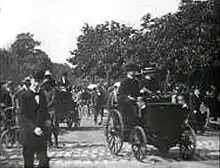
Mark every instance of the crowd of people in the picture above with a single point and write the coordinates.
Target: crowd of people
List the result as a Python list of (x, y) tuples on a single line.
[(35, 98), (34, 103)]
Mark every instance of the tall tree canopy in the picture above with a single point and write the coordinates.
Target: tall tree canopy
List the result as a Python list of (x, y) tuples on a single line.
[(184, 43), (23, 57)]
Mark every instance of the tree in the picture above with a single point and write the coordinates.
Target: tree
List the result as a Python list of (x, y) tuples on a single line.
[(182, 41), (101, 50), (29, 57)]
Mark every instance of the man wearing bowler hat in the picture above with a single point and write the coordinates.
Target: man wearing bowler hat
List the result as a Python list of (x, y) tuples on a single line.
[(129, 91), (34, 123)]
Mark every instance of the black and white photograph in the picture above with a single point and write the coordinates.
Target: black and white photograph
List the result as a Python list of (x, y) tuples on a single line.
[(109, 83)]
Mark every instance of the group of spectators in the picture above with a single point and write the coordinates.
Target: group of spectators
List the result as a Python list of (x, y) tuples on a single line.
[(32, 100), (203, 103)]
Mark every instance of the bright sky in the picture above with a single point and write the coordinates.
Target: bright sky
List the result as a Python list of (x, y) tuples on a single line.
[(57, 23)]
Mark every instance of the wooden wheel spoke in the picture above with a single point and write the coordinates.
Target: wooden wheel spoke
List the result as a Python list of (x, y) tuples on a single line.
[(113, 144), (114, 131), (118, 141), (138, 141), (110, 137)]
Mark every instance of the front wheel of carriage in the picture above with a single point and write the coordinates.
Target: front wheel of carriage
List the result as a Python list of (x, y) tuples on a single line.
[(187, 144), (138, 142), (114, 131)]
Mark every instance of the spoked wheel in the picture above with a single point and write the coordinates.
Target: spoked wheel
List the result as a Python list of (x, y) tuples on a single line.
[(114, 131), (138, 142), (9, 140), (188, 143)]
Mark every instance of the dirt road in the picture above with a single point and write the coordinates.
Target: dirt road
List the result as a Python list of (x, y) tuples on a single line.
[(86, 147)]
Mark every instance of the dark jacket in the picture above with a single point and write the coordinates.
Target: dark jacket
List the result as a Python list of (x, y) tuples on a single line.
[(100, 99), (129, 87), (196, 102), (33, 115)]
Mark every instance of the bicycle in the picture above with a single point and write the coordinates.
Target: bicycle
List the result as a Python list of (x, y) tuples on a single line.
[(10, 136)]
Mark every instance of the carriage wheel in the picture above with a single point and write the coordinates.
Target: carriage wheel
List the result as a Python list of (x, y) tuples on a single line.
[(188, 143), (138, 142), (10, 139), (114, 131)]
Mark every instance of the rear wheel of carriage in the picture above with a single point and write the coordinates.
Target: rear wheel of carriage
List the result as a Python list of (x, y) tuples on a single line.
[(114, 131), (138, 142), (188, 143), (10, 139)]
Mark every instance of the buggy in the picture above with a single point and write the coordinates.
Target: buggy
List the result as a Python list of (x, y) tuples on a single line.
[(162, 124)]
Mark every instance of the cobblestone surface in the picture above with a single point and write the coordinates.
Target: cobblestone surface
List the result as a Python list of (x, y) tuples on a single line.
[(87, 147)]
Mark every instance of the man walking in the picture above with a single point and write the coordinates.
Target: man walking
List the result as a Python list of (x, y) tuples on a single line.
[(34, 123)]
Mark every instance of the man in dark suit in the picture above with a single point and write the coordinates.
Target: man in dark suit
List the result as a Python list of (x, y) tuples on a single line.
[(199, 118), (100, 99), (34, 123), (129, 91)]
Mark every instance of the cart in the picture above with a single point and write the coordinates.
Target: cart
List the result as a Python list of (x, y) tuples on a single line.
[(162, 124)]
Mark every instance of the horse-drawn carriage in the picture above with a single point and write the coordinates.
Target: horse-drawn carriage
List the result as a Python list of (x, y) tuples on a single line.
[(161, 124), (156, 121)]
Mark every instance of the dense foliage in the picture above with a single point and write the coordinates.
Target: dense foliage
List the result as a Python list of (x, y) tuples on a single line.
[(184, 45)]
